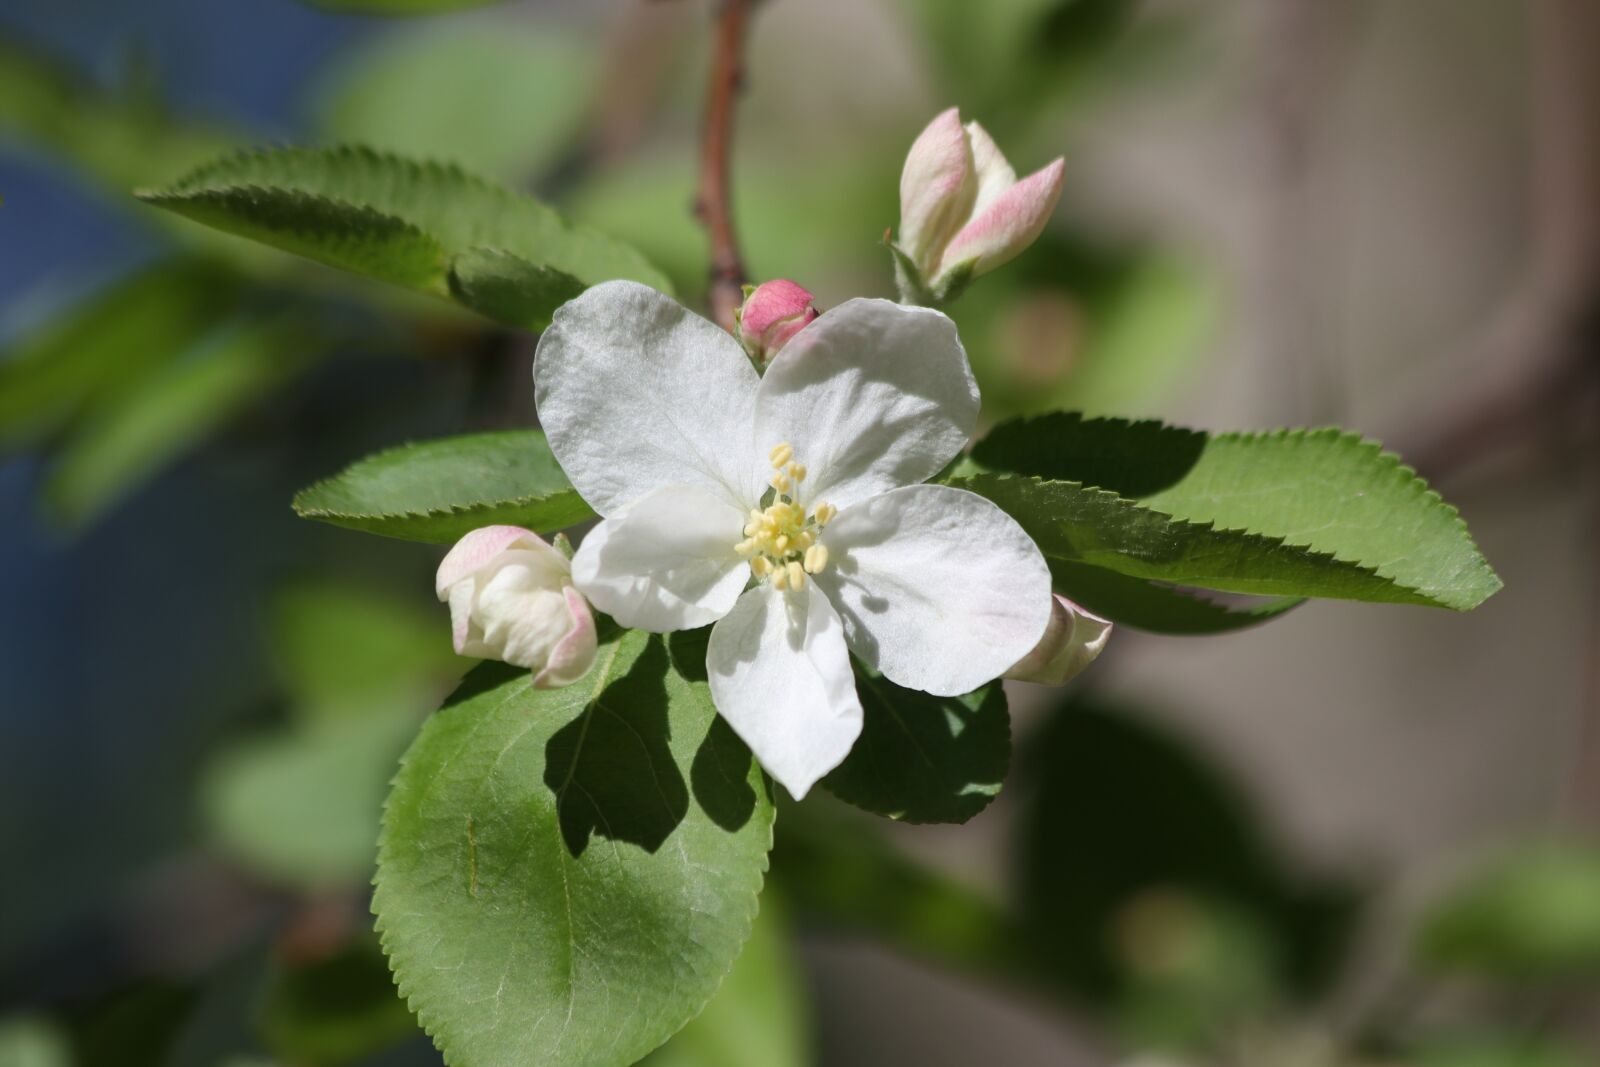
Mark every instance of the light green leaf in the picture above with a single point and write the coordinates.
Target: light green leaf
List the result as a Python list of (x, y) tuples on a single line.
[(508, 288), (97, 350), (922, 758), (757, 1017), (567, 875), (1488, 1049), (396, 219), (1158, 608), (1530, 915), (407, 91), (1298, 513), (346, 650), (161, 415), (26, 1041), (437, 491), (302, 808)]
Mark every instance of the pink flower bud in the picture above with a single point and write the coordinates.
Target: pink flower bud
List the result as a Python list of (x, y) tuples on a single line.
[(962, 210), (511, 599), (773, 313), (1071, 641)]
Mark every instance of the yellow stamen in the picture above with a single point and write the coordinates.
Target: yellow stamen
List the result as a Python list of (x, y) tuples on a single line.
[(797, 471), (780, 579), (781, 454), (797, 574), (824, 513), (780, 482), (761, 566), (816, 558)]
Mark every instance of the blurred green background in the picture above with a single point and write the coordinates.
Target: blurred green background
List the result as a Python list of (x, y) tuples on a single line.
[(1355, 836)]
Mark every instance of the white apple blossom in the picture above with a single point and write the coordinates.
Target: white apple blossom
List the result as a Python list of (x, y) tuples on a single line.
[(1073, 640), (511, 598), (786, 508)]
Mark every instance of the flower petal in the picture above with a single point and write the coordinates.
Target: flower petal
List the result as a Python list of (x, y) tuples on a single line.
[(995, 175), (937, 186), (872, 396), (1071, 642), (780, 674), (666, 562), (574, 654), (479, 547), (636, 392), (939, 589), (1005, 227)]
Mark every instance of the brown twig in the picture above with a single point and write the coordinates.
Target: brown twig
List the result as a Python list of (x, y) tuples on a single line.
[(714, 202)]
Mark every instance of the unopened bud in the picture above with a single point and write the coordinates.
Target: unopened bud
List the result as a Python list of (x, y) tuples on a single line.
[(511, 599), (773, 312), (1070, 643), (962, 210)]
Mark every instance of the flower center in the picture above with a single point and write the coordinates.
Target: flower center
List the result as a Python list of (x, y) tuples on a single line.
[(782, 541)]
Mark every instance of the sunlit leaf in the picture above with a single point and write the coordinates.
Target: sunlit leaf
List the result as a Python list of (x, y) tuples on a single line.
[(567, 875), (396, 219), (439, 490)]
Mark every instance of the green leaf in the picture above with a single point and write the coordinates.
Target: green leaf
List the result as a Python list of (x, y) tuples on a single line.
[(1300, 512), (161, 415), (1531, 915), (1158, 608), (407, 90), (757, 1017), (346, 650), (922, 758), (508, 288), (1496, 1050), (26, 1041), (399, 220), (92, 354), (302, 808), (566, 876), (335, 1010), (437, 491)]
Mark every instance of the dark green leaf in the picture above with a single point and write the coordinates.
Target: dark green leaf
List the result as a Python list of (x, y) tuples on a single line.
[(437, 491), (1336, 502), (923, 758), (334, 1011), (567, 875), (1132, 844), (1162, 609), (508, 288), (1530, 915), (399, 220)]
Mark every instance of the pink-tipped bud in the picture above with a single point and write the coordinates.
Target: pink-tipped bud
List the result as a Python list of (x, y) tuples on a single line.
[(511, 598), (773, 313), (962, 210), (1070, 643)]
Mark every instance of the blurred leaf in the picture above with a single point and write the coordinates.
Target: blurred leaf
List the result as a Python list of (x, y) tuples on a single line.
[(166, 412), (336, 1010), (347, 650), (1292, 512), (544, 850), (94, 352), (757, 1017), (26, 1041), (1532, 915), (843, 872), (395, 219), (302, 808), (923, 758), (132, 1026), (1136, 855), (502, 97), (1496, 1050), (120, 138), (1158, 608), (508, 288), (439, 490)]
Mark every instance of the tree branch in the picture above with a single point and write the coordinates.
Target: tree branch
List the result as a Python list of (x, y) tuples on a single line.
[(714, 202)]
